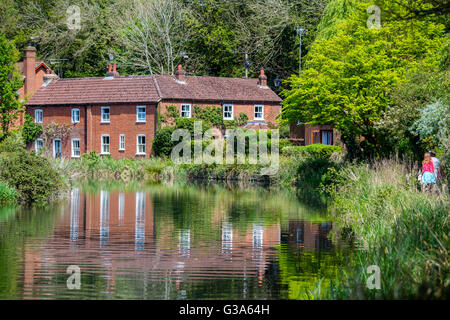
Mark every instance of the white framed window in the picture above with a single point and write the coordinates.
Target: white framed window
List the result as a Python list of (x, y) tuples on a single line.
[(140, 146), (76, 148), (186, 110), (75, 115), (259, 112), (228, 111), (38, 145), (122, 142), (140, 113), (105, 144), (38, 116), (106, 115)]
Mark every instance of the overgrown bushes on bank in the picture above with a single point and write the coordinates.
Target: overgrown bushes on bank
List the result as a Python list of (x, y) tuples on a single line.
[(32, 176)]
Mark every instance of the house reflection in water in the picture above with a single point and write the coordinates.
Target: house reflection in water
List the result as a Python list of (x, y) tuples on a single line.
[(115, 234)]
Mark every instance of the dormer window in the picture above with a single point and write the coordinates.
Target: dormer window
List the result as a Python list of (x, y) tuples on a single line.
[(38, 116)]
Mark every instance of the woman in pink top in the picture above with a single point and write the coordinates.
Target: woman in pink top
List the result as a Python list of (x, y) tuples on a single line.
[(428, 170)]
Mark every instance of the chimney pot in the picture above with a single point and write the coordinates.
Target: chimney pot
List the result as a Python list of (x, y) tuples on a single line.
[(112, 71), (262, 79), (180, 74)]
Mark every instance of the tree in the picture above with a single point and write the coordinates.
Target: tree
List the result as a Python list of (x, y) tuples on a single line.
[(348, 77), (10, 82), (152, 34)]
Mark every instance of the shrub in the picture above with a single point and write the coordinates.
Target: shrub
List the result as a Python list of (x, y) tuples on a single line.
[(314, 150), (188, 124), (321, 150), (12, 143), (31, 175), (8, 195), (284, 144), (162, 143), (30, 130)]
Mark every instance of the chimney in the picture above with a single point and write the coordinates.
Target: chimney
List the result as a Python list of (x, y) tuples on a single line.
[(29, 66), (262, 79), (112, 71), (180, 74)]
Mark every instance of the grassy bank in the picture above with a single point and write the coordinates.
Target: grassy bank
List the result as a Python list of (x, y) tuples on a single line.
[(396, 227), (94, 166)]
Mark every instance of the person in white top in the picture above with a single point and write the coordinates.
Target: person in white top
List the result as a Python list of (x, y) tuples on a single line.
[(436, 164)]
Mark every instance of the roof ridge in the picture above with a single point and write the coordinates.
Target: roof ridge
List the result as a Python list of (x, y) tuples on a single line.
[(158, 90)]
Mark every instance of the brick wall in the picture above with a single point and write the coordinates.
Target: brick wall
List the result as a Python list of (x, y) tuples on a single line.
[(270, 110), (123, 120)]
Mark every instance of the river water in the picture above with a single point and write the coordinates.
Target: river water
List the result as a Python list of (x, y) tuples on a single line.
[(168, 242)]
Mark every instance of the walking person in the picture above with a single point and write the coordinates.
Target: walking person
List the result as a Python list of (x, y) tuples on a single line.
[(428, 176), (436, 164)]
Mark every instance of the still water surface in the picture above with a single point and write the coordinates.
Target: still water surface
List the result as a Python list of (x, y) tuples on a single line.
[(160, 242)]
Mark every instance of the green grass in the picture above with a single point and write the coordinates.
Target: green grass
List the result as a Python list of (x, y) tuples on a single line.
[(8, 195), (402, 230)]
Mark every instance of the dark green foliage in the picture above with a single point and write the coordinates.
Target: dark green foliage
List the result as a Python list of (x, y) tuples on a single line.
[(317, 150), (31, 175), (11, 143), (31, 130), (8, 195), (210, 114), (162, 143), (188, 124), (10, 82)]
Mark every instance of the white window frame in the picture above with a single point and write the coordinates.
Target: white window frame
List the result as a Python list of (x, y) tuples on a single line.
[(73, 150), (181, 110), (35, 145), (102, 144), (39, 119), (137, 114), (232, 112), (54, 147), (137, 145), (79, 115), (262, 112), (109, 113), (120, 142)]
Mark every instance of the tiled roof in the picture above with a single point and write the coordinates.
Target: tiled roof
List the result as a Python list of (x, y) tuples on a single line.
[(96, 91), (215, 88), (128, 89)]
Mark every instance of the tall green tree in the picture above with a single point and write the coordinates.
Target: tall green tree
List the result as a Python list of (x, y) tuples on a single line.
[(10, 82), (349, 76)]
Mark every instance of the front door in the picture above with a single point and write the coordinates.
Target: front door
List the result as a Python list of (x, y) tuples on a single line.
[(57, 148)]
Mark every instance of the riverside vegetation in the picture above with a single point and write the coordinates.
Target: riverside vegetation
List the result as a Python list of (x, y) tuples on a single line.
[(377, 205)]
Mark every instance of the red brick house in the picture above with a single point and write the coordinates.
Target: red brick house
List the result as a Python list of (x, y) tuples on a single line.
[(117, 115)]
